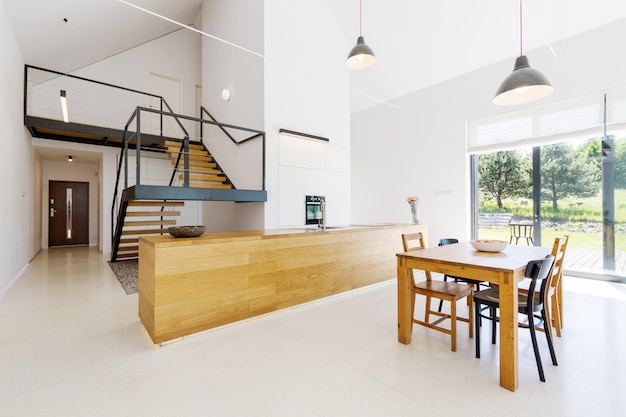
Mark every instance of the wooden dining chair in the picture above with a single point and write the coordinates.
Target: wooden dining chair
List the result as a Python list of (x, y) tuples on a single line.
[(532, 305), (447, 291), (555, 290)]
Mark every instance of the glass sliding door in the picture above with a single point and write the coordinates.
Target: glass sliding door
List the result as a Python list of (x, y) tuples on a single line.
[(575, 188), (619, 201), (571, 196)]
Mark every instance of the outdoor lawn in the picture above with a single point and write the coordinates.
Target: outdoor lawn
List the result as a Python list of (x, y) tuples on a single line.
[(579, 218)]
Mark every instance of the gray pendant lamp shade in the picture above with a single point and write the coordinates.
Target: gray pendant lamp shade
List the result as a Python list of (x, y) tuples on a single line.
[(523, 85), (361, 56)]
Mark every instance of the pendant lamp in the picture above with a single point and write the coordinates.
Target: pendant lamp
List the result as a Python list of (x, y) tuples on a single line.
[(524, 84), (361, 56), (66, 116), (63, 93)]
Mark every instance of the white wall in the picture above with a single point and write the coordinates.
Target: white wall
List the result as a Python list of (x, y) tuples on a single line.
[(419, 148), (18, 213), (176, 56), (223, 66), (306, 90)]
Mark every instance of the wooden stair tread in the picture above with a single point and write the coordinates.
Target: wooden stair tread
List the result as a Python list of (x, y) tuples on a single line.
[(128, 249), (201, 170), (210, 185), (195, 148), (144, 232), (150, 223), (210, 178), (127, 255), (176, 144), (192, 155), (129, 240), (196, 164), (149, 203), (152, 213)]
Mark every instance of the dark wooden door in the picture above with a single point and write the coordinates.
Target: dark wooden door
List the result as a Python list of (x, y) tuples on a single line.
[(68, 213)]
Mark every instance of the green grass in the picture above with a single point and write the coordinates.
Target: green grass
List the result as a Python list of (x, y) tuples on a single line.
[(570, 209), (580, 218)]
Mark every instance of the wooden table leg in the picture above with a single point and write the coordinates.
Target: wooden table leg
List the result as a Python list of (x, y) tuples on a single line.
[(405, 292), (509, 365)]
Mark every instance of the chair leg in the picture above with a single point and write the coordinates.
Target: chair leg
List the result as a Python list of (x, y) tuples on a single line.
[(492, 314), (549, 338), (470, 311), (533, 336), (556, 313), (445, 279), (477, 317), (547, 320), (477, 324), (427, 310), (453, 323)]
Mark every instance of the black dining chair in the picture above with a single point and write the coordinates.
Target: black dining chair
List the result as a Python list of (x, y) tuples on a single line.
[(531, 304), (476, 283)]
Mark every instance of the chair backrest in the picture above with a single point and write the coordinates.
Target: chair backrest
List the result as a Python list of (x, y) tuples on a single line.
[(414, 241), (538, 270), (447, 241), (558, 251)]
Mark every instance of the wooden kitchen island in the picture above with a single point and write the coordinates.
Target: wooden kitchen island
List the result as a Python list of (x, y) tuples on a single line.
[(189, 285)]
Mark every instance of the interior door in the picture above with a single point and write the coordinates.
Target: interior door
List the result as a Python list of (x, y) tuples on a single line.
[(68, 213), (170, 90)]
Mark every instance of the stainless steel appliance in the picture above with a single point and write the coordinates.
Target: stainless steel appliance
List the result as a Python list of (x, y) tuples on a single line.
[(313, 210)]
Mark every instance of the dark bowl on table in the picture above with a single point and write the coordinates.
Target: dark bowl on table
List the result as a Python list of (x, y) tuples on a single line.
[(186, 231)]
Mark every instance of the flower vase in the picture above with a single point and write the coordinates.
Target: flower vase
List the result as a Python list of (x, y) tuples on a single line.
[(414, 218)]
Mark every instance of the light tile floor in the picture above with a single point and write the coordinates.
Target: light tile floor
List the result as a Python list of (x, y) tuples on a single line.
[(71, 344)]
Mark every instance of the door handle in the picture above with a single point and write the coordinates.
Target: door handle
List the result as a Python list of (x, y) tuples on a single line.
[(52, 211)]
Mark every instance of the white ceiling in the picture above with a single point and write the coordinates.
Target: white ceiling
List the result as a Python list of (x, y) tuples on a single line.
[(417, 43), (60, 154)]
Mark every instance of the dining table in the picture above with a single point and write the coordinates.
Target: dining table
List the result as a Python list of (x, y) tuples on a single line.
[(505, 268)]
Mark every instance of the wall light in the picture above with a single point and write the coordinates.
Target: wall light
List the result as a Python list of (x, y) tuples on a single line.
[(69, 158), (226, 94)]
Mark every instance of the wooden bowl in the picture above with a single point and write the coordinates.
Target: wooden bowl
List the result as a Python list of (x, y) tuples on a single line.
[(489, 245), (186, 231)]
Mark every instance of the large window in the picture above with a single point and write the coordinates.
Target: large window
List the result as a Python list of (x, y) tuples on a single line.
[(555, 172), (580, 192)]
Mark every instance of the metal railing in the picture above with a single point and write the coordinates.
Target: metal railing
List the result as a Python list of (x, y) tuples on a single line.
[(105, 107), (245, 171), (90, 102)]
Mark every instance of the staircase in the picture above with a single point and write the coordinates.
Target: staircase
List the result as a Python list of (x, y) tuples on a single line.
[(204, 172), (140, 218)]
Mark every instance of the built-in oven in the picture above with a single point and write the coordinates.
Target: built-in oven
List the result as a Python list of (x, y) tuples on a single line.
[(313, 212)]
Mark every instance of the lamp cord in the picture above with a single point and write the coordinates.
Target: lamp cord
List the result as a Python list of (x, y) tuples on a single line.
[(521, 51), (360, 18)]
